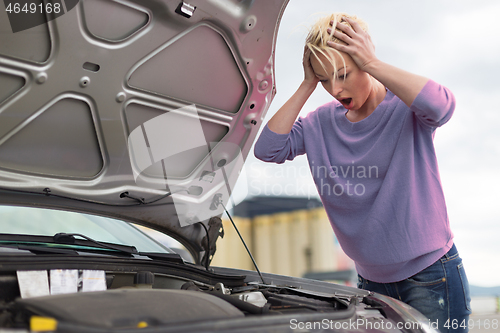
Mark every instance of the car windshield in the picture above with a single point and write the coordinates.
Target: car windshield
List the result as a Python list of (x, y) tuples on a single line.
[(48, 222)]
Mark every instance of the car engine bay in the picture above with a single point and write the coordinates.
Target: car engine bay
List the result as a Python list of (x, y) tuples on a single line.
[(146, 299)]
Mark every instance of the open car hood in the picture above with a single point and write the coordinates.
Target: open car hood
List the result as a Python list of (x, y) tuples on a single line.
[(142, 110)]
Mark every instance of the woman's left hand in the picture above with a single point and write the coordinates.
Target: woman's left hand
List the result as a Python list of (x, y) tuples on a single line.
[(359, 43)]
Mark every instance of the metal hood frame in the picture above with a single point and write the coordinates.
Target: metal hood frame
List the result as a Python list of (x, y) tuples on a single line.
[(142, 110)]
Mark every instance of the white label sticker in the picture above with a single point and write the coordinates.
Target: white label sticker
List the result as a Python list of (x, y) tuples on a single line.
[(63, 281), (33, 283), (94, 281)]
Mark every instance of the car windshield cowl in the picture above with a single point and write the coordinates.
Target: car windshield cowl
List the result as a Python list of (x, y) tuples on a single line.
[(68, 239), (70, 242)]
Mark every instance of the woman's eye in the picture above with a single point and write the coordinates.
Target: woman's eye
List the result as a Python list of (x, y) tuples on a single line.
[(343, 77)]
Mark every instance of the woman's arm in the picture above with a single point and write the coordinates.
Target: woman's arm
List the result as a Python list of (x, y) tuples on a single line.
[(360, 47), (283, 120)]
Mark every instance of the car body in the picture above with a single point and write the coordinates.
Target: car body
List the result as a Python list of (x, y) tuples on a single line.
[(115, 112)]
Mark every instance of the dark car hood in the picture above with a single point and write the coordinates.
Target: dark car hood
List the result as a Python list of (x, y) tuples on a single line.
[(109, 106)]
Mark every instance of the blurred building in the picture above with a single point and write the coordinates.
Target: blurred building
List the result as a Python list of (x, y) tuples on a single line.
[(286, 235)]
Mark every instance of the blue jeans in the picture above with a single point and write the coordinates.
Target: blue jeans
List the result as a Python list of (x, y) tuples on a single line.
[(440, 292)]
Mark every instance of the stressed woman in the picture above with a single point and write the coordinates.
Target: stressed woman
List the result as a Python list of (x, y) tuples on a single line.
[(371, 154)]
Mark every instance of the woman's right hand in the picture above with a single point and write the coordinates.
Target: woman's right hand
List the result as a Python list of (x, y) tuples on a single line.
[(310, 77)]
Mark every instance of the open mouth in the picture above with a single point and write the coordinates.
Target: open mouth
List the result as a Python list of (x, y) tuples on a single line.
[(347, 102)]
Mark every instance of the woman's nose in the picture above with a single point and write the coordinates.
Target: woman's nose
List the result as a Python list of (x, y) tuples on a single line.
[(337, 89)]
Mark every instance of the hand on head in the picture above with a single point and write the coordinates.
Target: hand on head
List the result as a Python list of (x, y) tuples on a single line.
[(358, 43), (309, 75)]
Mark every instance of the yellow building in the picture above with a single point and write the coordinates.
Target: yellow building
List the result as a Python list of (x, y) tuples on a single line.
[(288, 236)]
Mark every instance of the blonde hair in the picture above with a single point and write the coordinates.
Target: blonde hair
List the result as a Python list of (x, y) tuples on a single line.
[(316, 40)]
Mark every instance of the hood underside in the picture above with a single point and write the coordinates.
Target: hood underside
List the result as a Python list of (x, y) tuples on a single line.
[(142, 110)]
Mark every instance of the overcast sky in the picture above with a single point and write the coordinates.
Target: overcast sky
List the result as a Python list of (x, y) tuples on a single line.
[(453, 42)]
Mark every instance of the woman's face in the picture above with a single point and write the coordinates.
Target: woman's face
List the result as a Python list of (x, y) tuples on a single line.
[(353, 86)]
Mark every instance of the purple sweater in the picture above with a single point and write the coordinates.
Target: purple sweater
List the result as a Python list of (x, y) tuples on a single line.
[(378, 179)]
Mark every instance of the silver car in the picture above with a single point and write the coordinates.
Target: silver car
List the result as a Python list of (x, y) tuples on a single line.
[(118, 113)]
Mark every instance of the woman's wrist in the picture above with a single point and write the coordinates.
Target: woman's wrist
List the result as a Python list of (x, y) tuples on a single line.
[(373, 67), (308, 86)]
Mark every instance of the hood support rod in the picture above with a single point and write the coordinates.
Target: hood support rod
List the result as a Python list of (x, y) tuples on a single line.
[(246, 247)]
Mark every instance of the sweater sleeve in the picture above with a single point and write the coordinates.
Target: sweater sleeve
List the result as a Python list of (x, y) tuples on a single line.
[(274, 147), (434, 105)]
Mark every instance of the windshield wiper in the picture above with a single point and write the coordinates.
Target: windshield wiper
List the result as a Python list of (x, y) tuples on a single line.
[(37, 249), (69, 238)]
